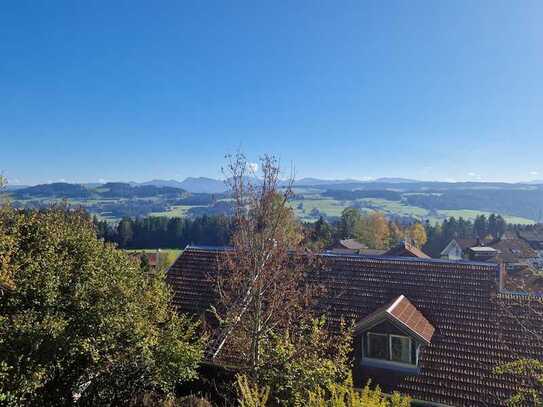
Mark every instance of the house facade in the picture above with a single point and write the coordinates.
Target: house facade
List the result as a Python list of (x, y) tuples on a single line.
[(432, 329), (453, 251)]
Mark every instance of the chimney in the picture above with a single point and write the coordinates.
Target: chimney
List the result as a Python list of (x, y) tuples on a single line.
[(502, 275)]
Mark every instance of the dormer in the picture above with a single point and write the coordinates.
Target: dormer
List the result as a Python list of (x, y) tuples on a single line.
[(392, 337)]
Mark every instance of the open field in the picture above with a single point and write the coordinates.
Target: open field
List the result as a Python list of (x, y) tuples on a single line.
[(178, 211), (470, 214), (394, 208), (328, 207), (333, 208)]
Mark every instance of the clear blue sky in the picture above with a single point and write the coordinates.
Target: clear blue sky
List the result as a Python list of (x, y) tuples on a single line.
[(137, 90)]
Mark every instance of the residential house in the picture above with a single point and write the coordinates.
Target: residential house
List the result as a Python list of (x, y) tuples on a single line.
[(515, 253), (347, 246), (406, 249), (453, 251), (509, 250), (433, 329), (482, 253)]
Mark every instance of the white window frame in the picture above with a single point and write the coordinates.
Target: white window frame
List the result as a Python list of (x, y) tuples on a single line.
[(389, 361), (410, 348)]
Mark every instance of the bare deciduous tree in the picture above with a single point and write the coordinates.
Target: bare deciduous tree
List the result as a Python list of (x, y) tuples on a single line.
[(261, 286)]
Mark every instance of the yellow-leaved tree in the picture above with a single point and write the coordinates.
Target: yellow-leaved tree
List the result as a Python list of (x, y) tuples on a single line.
[(417, 233)]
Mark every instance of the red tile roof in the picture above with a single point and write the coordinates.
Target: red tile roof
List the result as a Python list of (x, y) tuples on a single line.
[(406, 313), (513, 250), (401, 311), (476, 328)]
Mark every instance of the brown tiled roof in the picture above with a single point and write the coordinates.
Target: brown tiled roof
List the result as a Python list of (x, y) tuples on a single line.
[(476, 328), (402, 311), (532, 235), (513, 250), (466, 243), (405, 249), (405, 312), (352, 244)]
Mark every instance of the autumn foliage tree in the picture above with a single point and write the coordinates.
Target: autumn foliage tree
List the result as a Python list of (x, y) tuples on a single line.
[(373, 230), (530, 373), (264, 290), (417, 234)]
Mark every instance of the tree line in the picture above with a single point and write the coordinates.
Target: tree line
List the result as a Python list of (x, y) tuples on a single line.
[(156, 232), (373, 229), (482, 227)]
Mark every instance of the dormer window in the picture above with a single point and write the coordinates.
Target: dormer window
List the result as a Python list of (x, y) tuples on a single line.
[(392, 336), (390, 347)]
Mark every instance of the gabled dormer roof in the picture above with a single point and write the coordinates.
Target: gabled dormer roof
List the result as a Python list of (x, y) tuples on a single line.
[(402, 312)]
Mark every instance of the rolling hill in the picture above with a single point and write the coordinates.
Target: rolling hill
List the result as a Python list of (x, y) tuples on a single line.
[(397, 197)]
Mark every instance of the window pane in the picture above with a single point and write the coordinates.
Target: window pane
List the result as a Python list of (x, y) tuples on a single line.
[(401, 349), (378, 346)]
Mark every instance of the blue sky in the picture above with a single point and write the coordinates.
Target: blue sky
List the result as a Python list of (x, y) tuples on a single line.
[(135, 90)]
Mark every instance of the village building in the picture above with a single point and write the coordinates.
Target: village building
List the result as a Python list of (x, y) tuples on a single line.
[(509, 250), (347, 246), (453, 251), (352, 246), (429, 328), (406, 249)]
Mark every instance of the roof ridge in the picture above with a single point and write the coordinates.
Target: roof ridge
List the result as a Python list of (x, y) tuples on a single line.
[(395, 303), (519, 295), (458, 264)]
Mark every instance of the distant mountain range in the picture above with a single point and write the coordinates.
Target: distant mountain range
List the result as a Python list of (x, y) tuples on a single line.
[(215, 186)]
